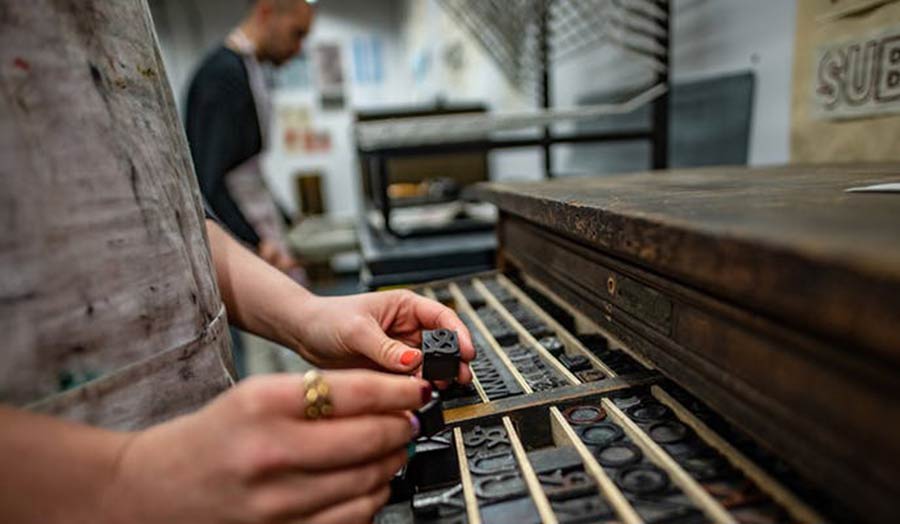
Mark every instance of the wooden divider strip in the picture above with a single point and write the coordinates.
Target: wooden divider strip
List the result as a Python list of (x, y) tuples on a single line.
[(564, 434), (581, 318), (481, 393), (429, 293), (529, 476), (523, 333), (587, 392), (463, 306), (715, 511), (798, 510), (567, 338), (468, 488)]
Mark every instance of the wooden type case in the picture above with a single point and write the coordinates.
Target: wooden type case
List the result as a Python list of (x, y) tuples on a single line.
[(684, 357)]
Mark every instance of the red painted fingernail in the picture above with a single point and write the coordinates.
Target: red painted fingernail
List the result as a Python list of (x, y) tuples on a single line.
[(426, 393), (408, 357)]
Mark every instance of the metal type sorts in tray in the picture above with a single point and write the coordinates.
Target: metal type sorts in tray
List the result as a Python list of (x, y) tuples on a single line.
[(639, 448)]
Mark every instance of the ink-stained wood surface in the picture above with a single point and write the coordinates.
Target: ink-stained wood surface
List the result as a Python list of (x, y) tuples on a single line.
[(787, 241), (771, 294), (105, 273)]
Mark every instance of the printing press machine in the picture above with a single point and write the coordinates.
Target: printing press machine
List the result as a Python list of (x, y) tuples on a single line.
[(715, 345)]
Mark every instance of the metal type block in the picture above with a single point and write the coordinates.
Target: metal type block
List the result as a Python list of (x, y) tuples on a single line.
[(435, 463), (582, 415), (559, 485), (668, 431), (395, 513), (553, 345), (505, 336), (654, 510), (618, 454), (531, 322), (497, 488), (548, 460), (440, 348), (446, 502), (706, 468), (575, 362), (495, 379), (515, 511), (625, 399), (502, 332), (583, 510), (600, 435), (489, 464), (431, 416), (590, 375), (486, 439), (683, 449), (401, 489), (473, 297), (642, 479), (650, 411)]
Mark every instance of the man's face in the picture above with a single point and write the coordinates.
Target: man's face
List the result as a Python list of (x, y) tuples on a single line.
[(286, 29)]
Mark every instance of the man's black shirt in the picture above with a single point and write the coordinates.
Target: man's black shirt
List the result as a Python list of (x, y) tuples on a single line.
[(223, 132)]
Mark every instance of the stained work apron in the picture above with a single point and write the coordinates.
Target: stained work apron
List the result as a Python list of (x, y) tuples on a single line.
[(108, 301)]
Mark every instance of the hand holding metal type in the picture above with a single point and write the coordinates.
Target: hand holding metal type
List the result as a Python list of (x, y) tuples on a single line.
[(266, 439)]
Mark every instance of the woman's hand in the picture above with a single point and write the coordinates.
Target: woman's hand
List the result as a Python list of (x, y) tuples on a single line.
[(250, 457), (373, 330), (376, 330)]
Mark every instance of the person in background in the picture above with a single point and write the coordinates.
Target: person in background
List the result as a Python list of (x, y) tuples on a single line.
[(228, 117), (227, 124)]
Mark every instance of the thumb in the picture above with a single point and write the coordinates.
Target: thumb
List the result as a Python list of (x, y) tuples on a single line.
[(392, 355)]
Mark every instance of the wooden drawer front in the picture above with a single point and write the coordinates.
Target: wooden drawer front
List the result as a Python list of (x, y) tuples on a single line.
[(815, 402)]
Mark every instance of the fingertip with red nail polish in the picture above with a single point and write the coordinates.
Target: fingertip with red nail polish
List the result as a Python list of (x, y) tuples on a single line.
[(408, 357)]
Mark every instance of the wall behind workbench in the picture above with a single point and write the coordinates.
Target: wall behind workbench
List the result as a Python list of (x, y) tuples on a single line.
[(711, 37)]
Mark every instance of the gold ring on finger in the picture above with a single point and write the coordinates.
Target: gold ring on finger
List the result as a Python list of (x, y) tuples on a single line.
[(316, 395)]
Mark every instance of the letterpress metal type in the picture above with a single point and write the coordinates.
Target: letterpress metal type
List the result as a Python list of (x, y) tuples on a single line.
[(440, 348), (435, 463), (431, 416)]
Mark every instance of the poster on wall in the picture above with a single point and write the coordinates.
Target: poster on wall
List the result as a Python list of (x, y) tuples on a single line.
[(858, 77), (330, 75), (845, 105), (298, 135), (368, 62)]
